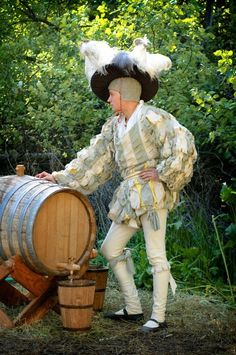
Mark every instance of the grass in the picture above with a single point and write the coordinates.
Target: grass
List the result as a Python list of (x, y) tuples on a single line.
[(197, 325)]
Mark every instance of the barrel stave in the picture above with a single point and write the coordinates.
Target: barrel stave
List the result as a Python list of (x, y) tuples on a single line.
[(44, 223)]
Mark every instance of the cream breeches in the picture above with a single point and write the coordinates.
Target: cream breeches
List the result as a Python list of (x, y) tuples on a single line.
[(113, 249)]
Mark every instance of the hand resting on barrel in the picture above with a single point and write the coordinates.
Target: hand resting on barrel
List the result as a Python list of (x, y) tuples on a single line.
[(46, 176)]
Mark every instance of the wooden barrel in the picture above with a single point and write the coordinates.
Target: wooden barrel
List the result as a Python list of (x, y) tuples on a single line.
[(76, 303), (99, 274), (44, 223)]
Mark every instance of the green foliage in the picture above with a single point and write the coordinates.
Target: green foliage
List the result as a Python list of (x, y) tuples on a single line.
[(193, 251), (192, 247), (45, 101), (46, 105), (228, 195)]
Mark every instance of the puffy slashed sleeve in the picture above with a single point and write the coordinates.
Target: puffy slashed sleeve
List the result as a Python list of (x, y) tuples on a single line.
[(94, 164), (176, 148)]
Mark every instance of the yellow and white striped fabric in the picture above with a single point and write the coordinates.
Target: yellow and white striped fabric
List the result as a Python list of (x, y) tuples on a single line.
[(156, 139)]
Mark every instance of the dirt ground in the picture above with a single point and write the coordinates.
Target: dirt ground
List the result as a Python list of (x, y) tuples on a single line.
[(196, 325)]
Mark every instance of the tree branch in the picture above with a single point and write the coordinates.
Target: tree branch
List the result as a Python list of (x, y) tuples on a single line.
[(28, 11)]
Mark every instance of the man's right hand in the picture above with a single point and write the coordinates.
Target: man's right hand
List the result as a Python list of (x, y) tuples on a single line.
[(46, 176)]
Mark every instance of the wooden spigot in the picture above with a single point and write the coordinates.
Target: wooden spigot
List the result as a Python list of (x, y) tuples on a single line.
[(70, 266), (20, 170)]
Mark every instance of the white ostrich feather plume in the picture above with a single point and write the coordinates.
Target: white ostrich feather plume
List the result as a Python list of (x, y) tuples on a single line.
[(98, 54), (153, 64)]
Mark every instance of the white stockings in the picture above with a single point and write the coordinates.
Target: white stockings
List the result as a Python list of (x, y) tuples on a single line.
[(113, 249)]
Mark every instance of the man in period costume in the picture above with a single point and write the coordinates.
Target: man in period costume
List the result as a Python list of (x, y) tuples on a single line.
[(154, 154)]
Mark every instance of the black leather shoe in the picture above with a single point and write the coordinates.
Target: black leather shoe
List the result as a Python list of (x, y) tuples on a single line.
[(125, 316), (145, 329)]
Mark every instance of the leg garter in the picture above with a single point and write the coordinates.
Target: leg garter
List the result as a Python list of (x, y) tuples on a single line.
[(164, 267), (125, 256)]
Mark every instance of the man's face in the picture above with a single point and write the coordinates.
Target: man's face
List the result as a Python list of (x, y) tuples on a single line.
[(115, 101)]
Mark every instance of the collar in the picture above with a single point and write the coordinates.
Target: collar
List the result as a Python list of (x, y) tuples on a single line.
[(123, 125)]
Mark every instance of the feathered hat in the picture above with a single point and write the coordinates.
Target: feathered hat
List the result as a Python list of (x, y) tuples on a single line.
[(103, 64)]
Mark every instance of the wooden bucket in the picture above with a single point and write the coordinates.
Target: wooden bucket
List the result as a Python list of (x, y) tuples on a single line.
[(99, 274), (44, 223), (76, 303)]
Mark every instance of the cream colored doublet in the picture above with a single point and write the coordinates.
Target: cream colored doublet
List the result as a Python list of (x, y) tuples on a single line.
[(156, 139)]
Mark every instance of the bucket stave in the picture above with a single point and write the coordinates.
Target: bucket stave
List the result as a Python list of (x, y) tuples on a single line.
[(99, 274), (44, 223), (76, 303)]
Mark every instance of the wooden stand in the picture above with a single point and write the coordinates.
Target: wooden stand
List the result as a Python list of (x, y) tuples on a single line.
[(42, 290), (48, 228), (41, 298)]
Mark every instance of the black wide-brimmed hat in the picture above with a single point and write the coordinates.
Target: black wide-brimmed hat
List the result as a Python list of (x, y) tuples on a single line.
[(104, 64), (100, 82)]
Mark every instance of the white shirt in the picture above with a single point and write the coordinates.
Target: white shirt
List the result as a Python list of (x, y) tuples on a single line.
[(124, 126)]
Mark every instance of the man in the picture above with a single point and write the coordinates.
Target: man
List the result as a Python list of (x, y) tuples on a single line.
[(155, 156)]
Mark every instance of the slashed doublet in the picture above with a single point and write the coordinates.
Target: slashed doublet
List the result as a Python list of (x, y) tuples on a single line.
[(156, 139)]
